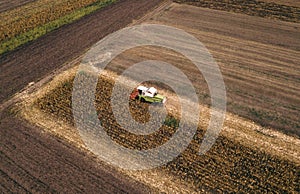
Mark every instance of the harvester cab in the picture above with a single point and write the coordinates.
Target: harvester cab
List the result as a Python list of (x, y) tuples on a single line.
[(145, 94)]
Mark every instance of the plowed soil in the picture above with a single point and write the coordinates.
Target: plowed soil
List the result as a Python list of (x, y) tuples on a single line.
[(274, 9), (259, 60)]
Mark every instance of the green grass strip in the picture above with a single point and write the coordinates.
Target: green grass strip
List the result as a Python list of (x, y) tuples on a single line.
[(13, 43)]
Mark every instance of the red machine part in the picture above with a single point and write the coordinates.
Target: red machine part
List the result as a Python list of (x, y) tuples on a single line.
[(134, 94)]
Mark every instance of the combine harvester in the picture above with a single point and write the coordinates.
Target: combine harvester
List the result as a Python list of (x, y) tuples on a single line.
[(145, 94)]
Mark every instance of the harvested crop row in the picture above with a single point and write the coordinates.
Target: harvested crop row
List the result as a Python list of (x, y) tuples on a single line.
[(228, 166), (251, 7), (51, 103)]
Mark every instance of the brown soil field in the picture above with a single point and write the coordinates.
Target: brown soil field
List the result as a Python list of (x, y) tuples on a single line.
[(259, 61), (293, 3), (32, 161), (11, 4), (275, 9)]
